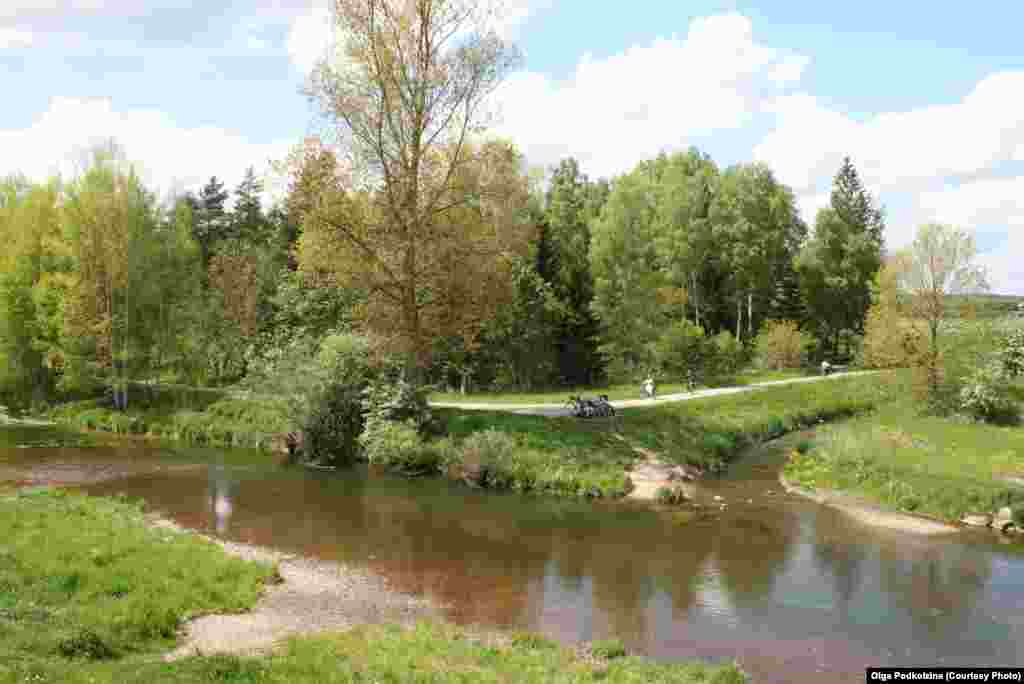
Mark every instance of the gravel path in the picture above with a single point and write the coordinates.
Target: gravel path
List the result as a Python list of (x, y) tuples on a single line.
[(314, 596), (555, 410)]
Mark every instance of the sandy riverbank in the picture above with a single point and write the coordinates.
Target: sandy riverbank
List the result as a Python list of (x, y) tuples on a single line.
[(870, 514)]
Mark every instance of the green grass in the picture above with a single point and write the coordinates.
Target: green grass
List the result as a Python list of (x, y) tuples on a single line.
[(90, 594), (570, 456), (85, 579), (614, 392), (923, 464), (204, 417)]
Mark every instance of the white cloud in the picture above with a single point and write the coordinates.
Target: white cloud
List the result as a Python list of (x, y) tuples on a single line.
[(172, 157), (899, 150), (11, 38), (309, 37), (618, 110)]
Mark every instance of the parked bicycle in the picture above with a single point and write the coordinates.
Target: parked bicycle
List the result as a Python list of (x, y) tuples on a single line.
[(590, 408)]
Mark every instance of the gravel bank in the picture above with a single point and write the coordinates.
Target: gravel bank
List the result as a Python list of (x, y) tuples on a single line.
[(312, 596)]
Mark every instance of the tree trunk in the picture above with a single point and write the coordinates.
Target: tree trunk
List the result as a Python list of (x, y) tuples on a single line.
[(750, 315), (739, 318), (696, 298)]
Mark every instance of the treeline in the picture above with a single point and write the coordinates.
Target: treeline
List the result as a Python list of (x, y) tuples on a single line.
[(102, 282), (621, 274), (522, 285)]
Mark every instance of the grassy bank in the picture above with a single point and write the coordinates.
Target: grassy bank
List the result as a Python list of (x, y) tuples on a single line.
[(580, 457), (90, 593), (202, 417), (614, 392), (927, 465)]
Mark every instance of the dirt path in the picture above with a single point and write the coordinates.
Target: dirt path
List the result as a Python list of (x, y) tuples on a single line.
[(554, 410)]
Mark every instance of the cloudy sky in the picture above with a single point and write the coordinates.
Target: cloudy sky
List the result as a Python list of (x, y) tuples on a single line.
[(928, 98)]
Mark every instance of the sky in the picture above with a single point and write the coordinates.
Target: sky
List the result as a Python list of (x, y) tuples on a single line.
[(927, 98)]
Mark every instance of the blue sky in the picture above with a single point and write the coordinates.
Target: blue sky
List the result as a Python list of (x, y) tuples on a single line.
[(928, 98)]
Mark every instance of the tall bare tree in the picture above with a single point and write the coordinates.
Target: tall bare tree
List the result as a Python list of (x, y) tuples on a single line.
[(405, 90)]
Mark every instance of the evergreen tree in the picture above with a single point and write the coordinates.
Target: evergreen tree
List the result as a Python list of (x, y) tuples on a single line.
[(210, 222), (839, 263), (569, 201), (250, 224)]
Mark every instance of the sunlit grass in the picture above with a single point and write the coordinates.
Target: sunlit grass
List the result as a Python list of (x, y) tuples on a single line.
[(925, 464)]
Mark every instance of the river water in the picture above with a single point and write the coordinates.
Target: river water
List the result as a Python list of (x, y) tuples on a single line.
[(794, 591)]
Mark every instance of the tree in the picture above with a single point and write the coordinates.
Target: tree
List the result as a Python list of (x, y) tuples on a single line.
[(891, 340), (250, 224), (756, 227), (33, 271), (626, 271), (110, 220), (683, 233), (939, 263), (211, 223), (837, 266), (405, 91), (572, 203)]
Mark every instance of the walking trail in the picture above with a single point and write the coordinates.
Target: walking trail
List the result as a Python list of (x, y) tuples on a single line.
[(554, 410), (651, 473)]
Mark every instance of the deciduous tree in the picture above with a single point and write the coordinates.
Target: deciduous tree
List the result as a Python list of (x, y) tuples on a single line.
[(405, 90)]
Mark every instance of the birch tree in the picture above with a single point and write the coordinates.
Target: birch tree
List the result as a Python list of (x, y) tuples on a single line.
[(404, 90)]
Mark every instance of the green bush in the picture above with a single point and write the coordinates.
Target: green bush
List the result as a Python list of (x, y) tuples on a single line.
[(399, 402), (332, 430), (985, 396), (393, 444), (1012, 353), (684, 351), (608, 649)]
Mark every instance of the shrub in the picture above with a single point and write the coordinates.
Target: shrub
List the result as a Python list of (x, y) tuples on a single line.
[(890, 341), (86, 643), (781, 344), (1012, 352), (331, 431), (804, 446), (728, 355), (683, 350), (985, 396), (608, 649), (400, 401), (393, 444)]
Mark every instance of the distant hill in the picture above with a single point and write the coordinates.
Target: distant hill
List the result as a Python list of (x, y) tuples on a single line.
[(988, 305)]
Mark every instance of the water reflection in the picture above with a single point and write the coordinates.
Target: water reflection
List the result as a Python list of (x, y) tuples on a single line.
[(788, 587)]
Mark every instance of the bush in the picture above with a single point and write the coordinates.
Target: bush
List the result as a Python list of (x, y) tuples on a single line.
[(890, 341), (683, 350), (608, 649), (399, 402), (1012, 353), (985, 396), (781, 344), (331, 431), (394, 444), (728, 355)]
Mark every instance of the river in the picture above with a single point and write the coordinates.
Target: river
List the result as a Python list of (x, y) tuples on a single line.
[(795, 591)]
